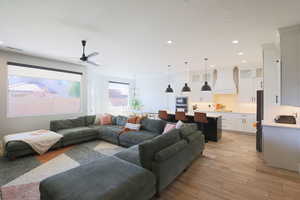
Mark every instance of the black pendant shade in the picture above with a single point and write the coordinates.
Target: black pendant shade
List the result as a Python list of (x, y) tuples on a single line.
[(186, 88), (206, 87), (169, 89)]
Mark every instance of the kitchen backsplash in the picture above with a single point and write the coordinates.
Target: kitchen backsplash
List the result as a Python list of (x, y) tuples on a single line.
[(230, 103)]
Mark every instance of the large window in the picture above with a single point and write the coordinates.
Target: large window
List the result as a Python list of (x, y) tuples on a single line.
[(34, 90), (118, 93)]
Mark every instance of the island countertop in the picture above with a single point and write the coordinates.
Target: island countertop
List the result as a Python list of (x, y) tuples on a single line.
[(210, 115), (280, 125)]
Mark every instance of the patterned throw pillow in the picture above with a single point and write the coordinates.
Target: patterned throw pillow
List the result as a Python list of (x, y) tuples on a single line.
[(169, 127), (132, 120), (135, 127), (106, 120)]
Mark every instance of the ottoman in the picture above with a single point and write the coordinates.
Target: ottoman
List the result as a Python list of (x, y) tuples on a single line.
[(108, 178)]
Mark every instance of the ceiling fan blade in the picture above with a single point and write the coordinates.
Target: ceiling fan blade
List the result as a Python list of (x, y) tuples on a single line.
[(92, 63), (93, 54)]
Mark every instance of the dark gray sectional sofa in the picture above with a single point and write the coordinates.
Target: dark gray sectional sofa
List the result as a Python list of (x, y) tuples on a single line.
[(82, 129), (152, 161), (137, 173)]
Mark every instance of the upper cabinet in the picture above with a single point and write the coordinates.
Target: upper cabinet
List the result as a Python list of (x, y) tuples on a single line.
[(290, 65), (250, 80)]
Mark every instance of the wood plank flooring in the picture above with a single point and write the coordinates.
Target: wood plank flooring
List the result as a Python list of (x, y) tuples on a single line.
[(232, 170)]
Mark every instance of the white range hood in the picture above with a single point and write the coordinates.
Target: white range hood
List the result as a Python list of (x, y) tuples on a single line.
[(225, 83)]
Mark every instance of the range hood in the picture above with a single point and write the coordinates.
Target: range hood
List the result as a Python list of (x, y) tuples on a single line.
[(225, 83)]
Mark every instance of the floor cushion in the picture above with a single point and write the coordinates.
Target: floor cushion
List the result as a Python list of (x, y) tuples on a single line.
[(108, 178)]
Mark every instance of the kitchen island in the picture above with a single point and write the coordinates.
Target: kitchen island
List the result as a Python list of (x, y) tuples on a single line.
[(281, 145), (212, 130)]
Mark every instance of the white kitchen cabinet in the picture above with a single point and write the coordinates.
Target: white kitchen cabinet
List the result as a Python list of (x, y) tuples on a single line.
[(249, 83), (290, 65), (239, 122), (271, 63), (197, 80)]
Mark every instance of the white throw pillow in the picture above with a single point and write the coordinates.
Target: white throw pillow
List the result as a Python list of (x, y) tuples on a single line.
[(97, 119), (131, 126), (179, 124)]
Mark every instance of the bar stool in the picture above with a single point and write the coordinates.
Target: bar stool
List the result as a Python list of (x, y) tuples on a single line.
[(200, 118), (162, 114), (180, 116)]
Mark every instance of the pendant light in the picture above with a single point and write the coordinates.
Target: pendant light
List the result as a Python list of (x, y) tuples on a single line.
[(186, 88), (205, 87), (169, 89)]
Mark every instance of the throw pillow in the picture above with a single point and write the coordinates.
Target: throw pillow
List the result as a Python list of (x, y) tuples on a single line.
[(97, 119), (135, 127), (132, 120), (106, 120), (179, 124), (121, 120), (169, 127)]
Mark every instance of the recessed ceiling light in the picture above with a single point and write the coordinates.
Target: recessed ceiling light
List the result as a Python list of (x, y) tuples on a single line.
[(235, 42), (212, 66), (244, 61), (169, 41), (240, 53)]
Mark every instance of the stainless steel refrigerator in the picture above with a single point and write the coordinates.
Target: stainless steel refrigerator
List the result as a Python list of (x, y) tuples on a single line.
[(259, 118)]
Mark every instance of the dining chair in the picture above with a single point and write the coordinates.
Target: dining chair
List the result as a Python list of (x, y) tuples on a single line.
[(162, 114), (180, 116)]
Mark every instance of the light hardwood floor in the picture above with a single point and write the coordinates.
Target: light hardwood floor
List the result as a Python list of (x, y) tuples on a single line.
[(232, 170)]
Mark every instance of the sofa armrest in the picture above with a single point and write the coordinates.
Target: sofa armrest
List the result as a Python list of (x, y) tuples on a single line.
[(168, 152), (196, 136)]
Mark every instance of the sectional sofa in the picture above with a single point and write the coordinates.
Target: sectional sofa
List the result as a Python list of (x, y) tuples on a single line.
[(150, 163), (137, 173), (82, 129)]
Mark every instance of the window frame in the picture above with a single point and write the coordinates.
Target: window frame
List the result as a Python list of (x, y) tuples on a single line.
[(42, 68), (121, 83)]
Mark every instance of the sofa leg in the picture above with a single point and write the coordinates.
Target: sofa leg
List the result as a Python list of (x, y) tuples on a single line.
[(157, 195)]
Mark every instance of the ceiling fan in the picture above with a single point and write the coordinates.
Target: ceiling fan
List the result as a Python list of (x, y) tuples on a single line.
[(85, 58)]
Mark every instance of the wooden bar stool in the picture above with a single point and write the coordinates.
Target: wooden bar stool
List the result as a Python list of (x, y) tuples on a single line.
[(180, 116), (201, 119), (162, 114)]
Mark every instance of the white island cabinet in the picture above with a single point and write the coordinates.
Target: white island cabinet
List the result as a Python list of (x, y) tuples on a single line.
[(281, 145)]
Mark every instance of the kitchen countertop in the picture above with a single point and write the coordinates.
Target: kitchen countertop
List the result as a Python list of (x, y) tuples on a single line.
[(212, 115), (222, 112), (273, 124)]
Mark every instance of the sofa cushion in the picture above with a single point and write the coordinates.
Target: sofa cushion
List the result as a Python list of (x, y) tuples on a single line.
[(72, 133), (110, 133), (131, 155), (121, 120), (195, 136), (150, 147), (170, 151), (66, 124), (188, 129), (90, 120), (136, 137), (152, 125), (106, 178)]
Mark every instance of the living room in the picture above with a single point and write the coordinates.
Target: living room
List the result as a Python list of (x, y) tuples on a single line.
[(133, 99)]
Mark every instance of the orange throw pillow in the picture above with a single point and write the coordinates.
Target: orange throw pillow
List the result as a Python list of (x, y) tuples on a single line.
[(106, 120)]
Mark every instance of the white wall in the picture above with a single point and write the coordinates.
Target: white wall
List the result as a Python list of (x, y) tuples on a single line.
[(98, 99), (151, 91), (13, 125)]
